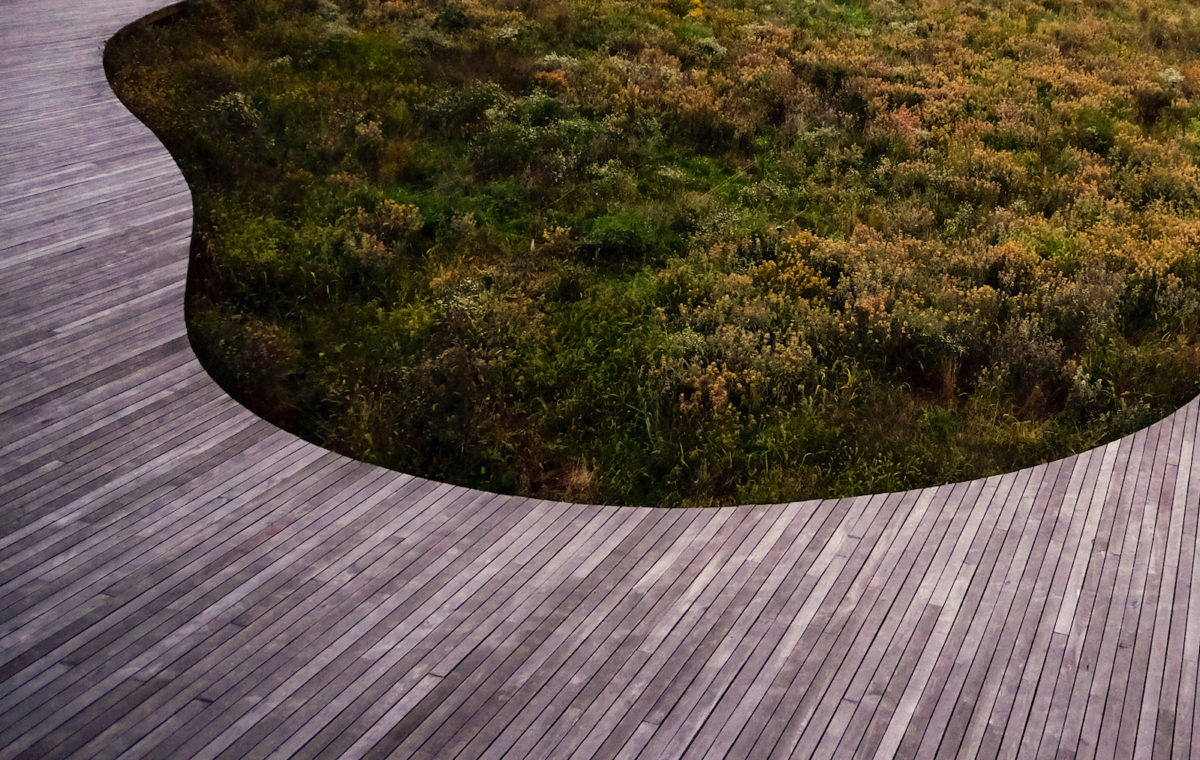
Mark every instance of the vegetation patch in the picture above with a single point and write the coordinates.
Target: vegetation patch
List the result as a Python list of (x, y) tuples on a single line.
[(688, 252)]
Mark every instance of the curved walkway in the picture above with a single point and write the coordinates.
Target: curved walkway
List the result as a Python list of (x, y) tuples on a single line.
[(178, 578)]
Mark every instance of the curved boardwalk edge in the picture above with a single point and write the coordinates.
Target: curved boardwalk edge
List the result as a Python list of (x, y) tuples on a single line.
[(180, 579)]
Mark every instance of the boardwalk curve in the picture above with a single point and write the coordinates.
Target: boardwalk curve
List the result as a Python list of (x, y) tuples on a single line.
[(178, 578)]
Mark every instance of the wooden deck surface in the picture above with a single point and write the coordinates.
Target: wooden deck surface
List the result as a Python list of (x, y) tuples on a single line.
[(180, 579)]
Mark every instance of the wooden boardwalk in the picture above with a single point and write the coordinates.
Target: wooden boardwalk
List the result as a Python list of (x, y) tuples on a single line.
[(180, 579)]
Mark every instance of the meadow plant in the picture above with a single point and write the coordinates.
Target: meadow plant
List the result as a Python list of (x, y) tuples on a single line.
[(689, 252)]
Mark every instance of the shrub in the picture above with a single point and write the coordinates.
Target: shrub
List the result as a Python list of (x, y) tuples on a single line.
[(629, 235)]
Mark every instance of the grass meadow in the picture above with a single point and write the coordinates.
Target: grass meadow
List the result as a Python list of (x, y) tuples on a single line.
[(688, 252)]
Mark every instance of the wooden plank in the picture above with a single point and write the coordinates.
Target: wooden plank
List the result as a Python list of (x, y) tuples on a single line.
[(349, 715), (129, 632), (1146, 669), (61, 598), (680, 712), (116, 354), (658, 637), (536, 690), (673, 668), (894, 585), (1062, 605), (755, 655), (980, 641), (464, 663), (72, 474), (1160, 703), (262, 619), (947, 594), (1118, 707), (1035, 641), (815, 662), (838, 553), (299, 595), (98, 581), (327, 657), (1187, 711), (986, 729), (1109, 671), (107, 474), (55, 602), (1083, 613), (617, 530), (847, 646), (149, 515), (80, 488), (1092, 668), (346, 649), (85, 438), (370, 620), (948, 673), (104, 584), (655, 591), (174, 373), (917, 626)]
